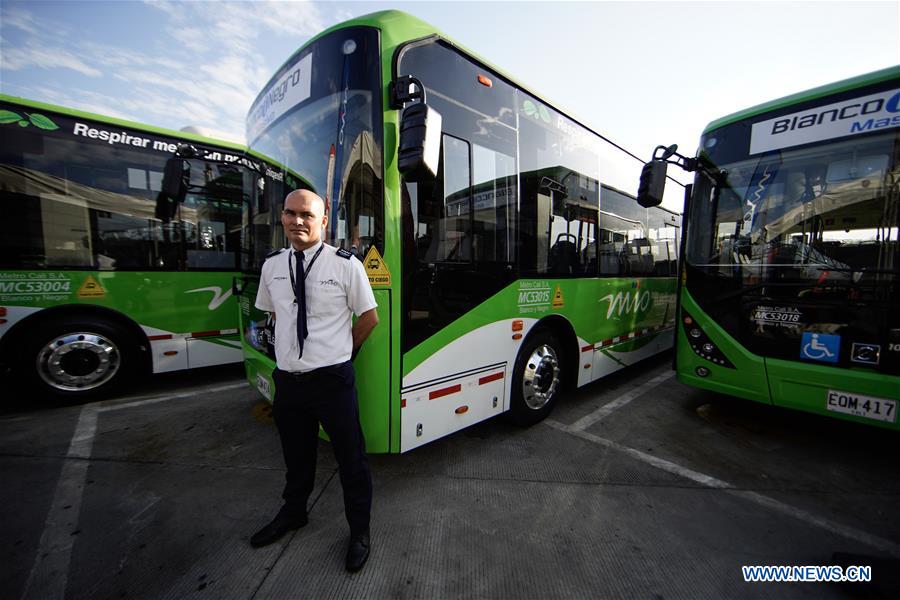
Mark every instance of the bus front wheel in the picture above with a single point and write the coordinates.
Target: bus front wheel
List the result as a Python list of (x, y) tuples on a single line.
[(537, 379), (78, 358)]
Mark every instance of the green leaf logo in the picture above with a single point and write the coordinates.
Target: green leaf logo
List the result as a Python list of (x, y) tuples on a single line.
[(529, 108), (42, 122), (538, 111), (7, 116), (545, 114)]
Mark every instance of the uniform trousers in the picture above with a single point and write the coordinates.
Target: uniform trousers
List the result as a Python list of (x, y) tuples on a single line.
[(327, 396)]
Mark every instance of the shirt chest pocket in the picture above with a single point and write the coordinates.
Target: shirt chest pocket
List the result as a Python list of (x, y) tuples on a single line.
[(325, 299), (281, 290)]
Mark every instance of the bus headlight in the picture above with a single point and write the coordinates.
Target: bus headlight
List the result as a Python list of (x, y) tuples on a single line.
[(702, 345)]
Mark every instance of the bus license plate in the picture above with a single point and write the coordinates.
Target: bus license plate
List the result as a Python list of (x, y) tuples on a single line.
[(262, 384), (858, 405)]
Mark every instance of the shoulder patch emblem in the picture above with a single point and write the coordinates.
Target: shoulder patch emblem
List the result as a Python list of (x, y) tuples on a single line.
[(344, 253)]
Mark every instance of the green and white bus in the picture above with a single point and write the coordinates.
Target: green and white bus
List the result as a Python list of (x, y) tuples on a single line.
[(102, 276), (507, 257), (790, 291)]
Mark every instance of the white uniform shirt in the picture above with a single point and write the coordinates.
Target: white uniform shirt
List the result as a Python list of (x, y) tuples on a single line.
[(336, 288)]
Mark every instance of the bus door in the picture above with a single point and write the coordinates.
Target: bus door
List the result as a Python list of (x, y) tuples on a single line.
[(460, 241)]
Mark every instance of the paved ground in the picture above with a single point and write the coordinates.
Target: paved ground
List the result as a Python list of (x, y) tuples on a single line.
[(635, 487)]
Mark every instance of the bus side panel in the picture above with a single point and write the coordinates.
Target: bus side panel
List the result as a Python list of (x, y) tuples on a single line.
[(627, 320), (373, 379), (189, 318), (436, 409), (747, 380), (216, 350), (611, 358), (254, 340), (459, 375), (823, 390)]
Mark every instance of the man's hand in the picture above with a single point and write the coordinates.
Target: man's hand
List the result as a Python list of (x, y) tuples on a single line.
[(363, 327)]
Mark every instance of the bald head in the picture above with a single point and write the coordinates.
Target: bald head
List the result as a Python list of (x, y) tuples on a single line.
[(303, 218), (308, 194)]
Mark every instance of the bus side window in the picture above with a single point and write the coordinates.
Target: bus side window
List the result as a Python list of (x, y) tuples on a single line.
[(494, 189), (455, 226)]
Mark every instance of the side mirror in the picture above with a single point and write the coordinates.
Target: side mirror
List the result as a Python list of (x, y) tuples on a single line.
[(653, 183), (175, 178), (420, 142), (667, 152)]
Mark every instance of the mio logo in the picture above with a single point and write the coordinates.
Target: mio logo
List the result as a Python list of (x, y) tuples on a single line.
[(218, 296), (624, 303)]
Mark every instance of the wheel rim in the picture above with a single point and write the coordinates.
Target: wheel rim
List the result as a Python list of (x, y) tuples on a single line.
[(541, 377), (78, 361)]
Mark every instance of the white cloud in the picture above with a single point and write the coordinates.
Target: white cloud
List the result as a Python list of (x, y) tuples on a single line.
[(203, 69), (20, 19), (301, 19), (193, 38), (45, 57), (232, 26)]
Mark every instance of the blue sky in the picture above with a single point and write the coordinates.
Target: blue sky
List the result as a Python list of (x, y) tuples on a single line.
[(642, 73)]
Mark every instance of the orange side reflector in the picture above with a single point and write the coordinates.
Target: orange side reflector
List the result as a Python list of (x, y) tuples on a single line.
[(2, 321), (170, 353), (485, 81), (518, 325), (461, 410), (517, 336), (2, 311)]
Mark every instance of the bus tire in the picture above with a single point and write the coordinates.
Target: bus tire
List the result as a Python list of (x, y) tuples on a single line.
[(537, 379), (78, 358)]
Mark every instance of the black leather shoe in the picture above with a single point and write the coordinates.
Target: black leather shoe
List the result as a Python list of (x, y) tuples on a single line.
[(357, 552), (280, 525)]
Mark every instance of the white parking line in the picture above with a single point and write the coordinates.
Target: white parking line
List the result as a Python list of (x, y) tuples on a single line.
[(608, 408), (109, 405), (851, 533), (50, 571)]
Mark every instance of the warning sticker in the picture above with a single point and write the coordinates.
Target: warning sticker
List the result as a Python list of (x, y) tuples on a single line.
[(558, 301), (91, 288), (376, 269)]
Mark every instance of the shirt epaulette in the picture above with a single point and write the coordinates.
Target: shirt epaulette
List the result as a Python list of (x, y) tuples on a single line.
[(274, 252), (344, 253)]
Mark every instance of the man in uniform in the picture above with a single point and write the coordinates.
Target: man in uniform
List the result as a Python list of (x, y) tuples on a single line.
[(313, 289)]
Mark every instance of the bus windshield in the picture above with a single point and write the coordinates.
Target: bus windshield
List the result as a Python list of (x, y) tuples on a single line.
[(320, 119), (825, 214)]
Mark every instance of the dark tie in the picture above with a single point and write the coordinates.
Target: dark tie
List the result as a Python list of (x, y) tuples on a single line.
[(300, 294)]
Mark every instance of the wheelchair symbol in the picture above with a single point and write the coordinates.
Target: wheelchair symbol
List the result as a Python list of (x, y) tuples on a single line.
[(819, 346), (817, 351)]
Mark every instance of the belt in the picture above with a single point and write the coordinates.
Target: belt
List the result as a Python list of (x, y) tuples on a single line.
[(313, 372)]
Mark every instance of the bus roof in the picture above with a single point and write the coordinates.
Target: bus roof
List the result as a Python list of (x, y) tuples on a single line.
[(123, 123), (817, 92)]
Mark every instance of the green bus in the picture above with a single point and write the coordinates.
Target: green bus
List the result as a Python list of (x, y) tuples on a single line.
[(507, 257), (102, 275), (790, 288)]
